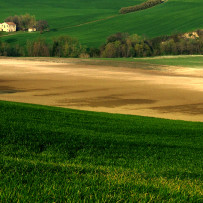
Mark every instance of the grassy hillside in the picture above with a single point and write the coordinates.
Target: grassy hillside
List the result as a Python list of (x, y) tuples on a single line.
[(182, 61), (147, 63), (57, 155), (64, 17)]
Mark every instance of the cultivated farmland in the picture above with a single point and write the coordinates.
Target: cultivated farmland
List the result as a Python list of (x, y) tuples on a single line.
[(93, 129), (128, 86), (92, 21)]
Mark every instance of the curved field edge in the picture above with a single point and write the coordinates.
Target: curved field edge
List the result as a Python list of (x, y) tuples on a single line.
[(174, 16), (158, 62), (181, 61), (55, 154), (188, 61), (191, 61)]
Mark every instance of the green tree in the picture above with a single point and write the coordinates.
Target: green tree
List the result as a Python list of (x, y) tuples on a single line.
[(42, 25)]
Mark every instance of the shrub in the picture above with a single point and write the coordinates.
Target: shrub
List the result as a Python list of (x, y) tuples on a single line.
[(142, 6), (84, 55), (42, 25)]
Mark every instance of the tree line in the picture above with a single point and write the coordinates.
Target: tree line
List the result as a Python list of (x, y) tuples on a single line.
[(24, 22), (64, 46), (116, 46), (125, 45), (142, 6)]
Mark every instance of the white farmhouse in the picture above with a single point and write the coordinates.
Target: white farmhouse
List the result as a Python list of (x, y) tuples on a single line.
[(32, 29), (8, 27)]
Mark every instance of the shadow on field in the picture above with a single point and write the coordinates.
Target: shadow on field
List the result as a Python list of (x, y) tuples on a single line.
[(12, 40), (181, 175), (8, 90), (110, 101), (194, 109)]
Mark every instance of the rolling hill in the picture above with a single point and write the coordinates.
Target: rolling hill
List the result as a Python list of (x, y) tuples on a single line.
[(50, 154), (92, 21)]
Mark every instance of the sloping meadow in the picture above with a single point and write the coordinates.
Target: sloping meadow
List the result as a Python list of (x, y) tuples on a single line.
[(91, 22), (54, 154)]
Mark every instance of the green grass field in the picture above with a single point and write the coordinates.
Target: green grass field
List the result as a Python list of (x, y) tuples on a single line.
[(148, 63), (182, 61), (64, 16), (55, 155)]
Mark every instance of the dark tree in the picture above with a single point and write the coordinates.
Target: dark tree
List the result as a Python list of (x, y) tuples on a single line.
[(42, 26)]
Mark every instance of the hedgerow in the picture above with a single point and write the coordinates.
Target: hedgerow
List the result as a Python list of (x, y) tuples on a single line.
[(142, 6)]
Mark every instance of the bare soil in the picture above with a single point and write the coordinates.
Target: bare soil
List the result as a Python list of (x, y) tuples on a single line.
[(165, 92)]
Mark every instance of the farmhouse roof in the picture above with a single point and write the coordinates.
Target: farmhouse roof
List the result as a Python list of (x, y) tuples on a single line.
[(10, 23)]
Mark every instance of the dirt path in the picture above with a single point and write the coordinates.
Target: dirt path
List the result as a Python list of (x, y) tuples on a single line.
[(89, 22), (8, 35), (172, 93)]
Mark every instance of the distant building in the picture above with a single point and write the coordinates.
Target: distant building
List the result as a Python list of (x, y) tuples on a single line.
[(191, 35), (32, 29), (8, 27)]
